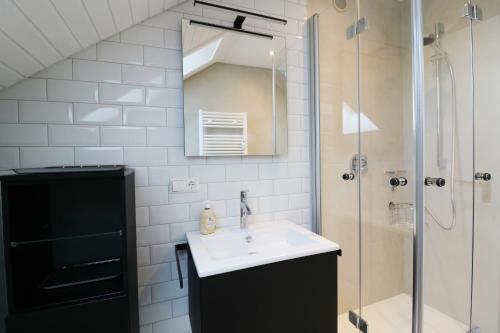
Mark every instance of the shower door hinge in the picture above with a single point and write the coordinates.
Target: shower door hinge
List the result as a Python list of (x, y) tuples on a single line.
[(359, 163), (358, 322), (357, 27), (473, 12)]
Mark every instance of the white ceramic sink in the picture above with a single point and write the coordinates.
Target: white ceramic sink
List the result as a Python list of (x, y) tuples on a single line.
[(230, 249)]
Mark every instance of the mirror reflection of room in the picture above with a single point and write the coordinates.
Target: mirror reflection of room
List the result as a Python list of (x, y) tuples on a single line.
[(234, 92)]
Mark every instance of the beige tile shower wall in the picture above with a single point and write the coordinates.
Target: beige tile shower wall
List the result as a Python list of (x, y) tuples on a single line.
[(120, 101), (381, 83)]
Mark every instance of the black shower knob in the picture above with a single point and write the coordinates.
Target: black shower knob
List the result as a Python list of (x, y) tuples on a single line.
[(440, 182), (348, 176), (483, 176), (398, 181)]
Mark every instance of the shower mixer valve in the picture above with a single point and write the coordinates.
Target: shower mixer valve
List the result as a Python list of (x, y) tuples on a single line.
[(398, 181), (483, 176), (439, 182), (348, 176)]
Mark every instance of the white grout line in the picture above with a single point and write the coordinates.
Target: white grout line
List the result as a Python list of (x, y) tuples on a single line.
[(112, 16), (24, 49), (91, 20), (131, 13), (39, 31)]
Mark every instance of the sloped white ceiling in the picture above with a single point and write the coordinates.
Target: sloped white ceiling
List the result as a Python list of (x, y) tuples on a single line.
[(35, 34)]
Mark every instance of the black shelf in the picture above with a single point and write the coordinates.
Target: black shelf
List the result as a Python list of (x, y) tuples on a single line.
[(73, 295), (74, 275), (66, 238)]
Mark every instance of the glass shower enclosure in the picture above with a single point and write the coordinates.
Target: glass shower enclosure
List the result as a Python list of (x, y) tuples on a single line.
[(404, 115)]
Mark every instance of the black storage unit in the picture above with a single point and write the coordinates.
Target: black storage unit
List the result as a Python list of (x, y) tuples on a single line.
[(70, 250), (292, 296)]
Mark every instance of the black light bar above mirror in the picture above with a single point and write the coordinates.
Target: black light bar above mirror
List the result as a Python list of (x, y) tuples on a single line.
[(218, 26), (241, 12)]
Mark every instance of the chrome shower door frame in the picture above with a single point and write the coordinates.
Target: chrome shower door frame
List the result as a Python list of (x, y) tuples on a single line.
[(418, 162), (314, 101)]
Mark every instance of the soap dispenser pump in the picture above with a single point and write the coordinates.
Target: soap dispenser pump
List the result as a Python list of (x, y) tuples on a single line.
[(208, 220)]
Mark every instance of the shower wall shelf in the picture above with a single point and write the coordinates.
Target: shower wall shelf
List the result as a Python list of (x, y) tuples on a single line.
[(401, 214)]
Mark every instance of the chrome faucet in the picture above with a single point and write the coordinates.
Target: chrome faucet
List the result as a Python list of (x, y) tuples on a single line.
[(244, 210)]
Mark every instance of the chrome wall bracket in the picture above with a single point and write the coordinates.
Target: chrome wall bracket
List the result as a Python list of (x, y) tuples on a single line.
[(475, 329), (357, 27), (473, 12)]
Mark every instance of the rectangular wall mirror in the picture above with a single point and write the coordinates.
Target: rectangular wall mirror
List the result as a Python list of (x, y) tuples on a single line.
[(234, 92)]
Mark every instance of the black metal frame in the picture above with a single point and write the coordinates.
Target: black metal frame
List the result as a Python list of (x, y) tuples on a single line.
[(180, 247), (238, 22)]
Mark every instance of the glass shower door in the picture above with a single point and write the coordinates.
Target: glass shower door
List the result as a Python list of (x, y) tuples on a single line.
[(338, 137), (365, 135), (486, 278), (449, 190), (386, 137)]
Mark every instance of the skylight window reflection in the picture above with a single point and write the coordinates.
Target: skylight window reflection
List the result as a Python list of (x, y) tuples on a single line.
[(200, 58), (350, 121)]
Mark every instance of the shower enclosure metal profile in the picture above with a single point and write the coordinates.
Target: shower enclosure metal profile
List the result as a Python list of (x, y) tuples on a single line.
[(418, 163), (313, 39), (455, 176)]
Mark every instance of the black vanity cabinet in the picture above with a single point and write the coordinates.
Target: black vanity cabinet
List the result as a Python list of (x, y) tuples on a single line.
[(70, 250), (292, 296)]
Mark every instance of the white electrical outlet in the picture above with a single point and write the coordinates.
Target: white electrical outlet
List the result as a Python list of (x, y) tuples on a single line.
[(192, 185), (189, 185)]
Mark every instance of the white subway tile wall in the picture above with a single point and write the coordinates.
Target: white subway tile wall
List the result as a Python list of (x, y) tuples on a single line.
[(62, 71), (97, 114), (9, 111), (45, 112), (120, 101)]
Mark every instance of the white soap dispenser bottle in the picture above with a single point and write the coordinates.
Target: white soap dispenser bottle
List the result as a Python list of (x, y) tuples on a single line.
[(208, 220)]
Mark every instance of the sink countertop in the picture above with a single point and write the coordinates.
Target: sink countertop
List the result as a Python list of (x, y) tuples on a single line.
[(230, 249)]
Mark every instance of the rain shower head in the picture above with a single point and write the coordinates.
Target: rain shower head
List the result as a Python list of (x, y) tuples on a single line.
[(429, 40), (438, 32)]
